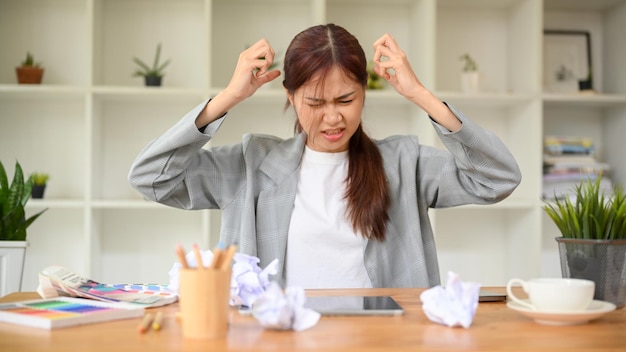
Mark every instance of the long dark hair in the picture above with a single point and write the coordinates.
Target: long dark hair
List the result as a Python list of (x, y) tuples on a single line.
[(315, 51)]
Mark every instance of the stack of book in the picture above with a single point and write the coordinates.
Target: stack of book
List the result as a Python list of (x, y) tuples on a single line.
[(567, 161)]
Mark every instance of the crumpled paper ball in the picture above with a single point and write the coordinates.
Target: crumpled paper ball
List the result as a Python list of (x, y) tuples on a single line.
[(278, 310), (453, 305), (248, 280)]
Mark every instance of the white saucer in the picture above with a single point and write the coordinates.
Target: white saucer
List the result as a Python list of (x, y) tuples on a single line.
[(595, 310)]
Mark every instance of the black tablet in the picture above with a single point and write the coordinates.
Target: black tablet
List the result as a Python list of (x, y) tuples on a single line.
[(354, 305)]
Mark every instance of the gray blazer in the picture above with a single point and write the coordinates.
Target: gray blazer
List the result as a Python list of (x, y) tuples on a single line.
[(254, 184)]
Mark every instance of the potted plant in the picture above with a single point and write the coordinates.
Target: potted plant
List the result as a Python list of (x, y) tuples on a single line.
[(40, 179), (593, 242), (374, 81), (13, 225), (153, 75), (470, 77), (29, 71)]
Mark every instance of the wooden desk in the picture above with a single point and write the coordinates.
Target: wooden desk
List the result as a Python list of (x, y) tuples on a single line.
[(495, 328)]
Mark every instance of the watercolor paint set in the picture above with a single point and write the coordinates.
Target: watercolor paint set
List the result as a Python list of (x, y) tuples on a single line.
[(60, 312)]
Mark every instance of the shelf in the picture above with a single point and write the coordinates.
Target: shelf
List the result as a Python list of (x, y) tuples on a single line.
[(127, 204), (55, 203), (585, 100)]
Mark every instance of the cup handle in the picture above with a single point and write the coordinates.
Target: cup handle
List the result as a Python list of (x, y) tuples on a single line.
[(509, 291)]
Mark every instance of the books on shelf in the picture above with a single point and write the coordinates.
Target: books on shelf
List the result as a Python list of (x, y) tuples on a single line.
[(566, 162), (61, 312), (55, 281)]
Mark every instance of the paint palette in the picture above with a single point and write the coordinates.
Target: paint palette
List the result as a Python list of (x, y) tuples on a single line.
[(66, 311)]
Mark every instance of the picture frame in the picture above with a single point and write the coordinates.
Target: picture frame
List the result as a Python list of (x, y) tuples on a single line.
[(567, 61)]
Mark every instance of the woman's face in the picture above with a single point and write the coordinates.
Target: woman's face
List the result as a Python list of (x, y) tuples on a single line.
[(329, 111)]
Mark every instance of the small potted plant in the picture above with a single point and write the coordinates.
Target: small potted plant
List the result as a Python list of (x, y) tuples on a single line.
[(374, 81), (13, 225), (29, 71), (153, 75), (470, 77), (40, 179), (593, 242)]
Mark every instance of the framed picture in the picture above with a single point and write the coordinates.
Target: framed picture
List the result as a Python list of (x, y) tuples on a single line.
[(567, 61)]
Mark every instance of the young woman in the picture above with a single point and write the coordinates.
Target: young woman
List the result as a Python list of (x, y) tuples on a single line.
[(337, 208)]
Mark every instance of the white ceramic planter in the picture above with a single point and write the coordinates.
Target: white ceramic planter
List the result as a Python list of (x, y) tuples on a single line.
[(12, 254), (470, 82)]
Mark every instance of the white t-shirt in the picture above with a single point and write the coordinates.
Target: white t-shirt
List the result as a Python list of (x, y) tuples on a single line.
[(322, 249)]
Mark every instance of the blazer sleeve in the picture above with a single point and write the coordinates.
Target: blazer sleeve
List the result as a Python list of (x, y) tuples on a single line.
[(175, 169), (479, 169)]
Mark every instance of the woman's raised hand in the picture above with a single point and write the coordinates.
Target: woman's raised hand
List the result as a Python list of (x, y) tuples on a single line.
[(252, 70), (391, 63)]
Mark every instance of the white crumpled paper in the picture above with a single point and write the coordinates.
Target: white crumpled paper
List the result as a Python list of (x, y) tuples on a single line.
[(248, 280), (279, 310), (453, 305)]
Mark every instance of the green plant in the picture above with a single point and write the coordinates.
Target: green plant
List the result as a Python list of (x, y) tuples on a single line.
[(30, 61), (156, 70), (593, 215), (13, 199), (40, 178), (469, 65), (374, 81)]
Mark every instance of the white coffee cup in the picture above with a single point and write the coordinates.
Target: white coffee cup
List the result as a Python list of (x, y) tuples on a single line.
[(554, 294)]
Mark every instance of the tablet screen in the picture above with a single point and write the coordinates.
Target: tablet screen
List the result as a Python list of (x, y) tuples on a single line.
[(354, 305)]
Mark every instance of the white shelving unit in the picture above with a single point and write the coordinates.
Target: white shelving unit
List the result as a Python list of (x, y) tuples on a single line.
[(89, 119)]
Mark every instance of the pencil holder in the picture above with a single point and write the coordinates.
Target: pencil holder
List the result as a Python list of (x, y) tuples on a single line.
[(204, 295)]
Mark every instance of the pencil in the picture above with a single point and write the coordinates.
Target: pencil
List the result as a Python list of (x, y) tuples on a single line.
[(217, 258), (145, 323), (228, 257), (158, 319), (181, 256), (196, 251)]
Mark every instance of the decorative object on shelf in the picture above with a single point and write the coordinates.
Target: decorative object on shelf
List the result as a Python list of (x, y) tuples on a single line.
[(153, 75), (567, 160), (567, 61), (29, 71), (470, 77), (593, 242), (374, 81), (13, 225), (40, 179)]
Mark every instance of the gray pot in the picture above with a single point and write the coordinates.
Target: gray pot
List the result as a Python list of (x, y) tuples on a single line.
[(601, 261)]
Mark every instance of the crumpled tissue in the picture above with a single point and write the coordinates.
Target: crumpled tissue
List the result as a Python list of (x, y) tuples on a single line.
[(453, 305), (248, 280), (278, 310)]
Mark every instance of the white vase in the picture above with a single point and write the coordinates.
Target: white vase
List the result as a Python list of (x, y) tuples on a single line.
[(12, 254), (470, 82)]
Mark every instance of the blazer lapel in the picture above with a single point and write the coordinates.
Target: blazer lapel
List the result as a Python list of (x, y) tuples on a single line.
[(276, 200)]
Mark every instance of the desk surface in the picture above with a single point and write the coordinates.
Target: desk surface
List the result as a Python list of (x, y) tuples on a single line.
[(495, 328)]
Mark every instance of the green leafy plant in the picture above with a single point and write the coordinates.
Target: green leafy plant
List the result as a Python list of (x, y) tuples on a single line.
[(469, 65), (40, 178), (593, 215), (374, 81), (13, 199), (30, 61), (156, 70)]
